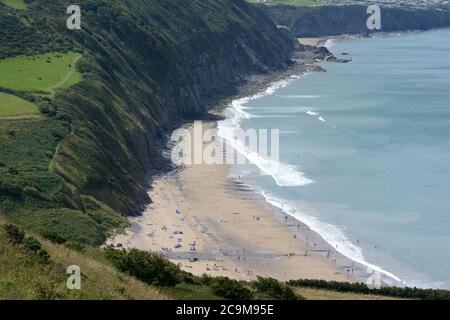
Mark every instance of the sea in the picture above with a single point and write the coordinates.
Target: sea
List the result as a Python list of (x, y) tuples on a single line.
[(364, 152)]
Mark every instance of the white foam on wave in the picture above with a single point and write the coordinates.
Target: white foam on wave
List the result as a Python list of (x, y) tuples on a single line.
[(330, 43), (332, 234), (312, 113), (285, 175), (315, 114)]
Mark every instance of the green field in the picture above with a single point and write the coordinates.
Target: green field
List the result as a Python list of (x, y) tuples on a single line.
[(12, 106), (16, 4), (45, 72)]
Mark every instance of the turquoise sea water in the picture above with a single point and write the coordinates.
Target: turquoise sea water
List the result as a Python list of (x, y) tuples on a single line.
[(365, 152)]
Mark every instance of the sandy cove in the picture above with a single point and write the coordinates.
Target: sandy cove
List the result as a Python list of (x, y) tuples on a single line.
[(210, 223)]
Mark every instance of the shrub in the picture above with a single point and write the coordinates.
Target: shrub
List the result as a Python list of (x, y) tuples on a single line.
[(148, 267), (74, 245), (273, 289), (362, 288), (43, 256), (229, 289), (53, 237), (17, 237), (205, 280), (32, 245), (14, 234), (13, 171)]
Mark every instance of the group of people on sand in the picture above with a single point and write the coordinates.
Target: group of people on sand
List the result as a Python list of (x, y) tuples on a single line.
[(215, 267)]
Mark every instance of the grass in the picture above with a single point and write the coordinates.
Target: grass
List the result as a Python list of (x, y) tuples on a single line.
[(320, 294), (16, 4), (191, 292), (44, 72), (23, 276), (12, 106)]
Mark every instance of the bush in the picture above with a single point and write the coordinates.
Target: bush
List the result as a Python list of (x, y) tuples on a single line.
[(362, 288), (14, 234), (76, 246), (43, 256), (31, 244), (229, 289), (148, 267), (205, 279), (273, 289), (53, 237), (17, 237)]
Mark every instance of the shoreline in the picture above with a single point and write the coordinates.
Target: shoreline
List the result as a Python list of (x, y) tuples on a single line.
[(234, 234), (212, 259)]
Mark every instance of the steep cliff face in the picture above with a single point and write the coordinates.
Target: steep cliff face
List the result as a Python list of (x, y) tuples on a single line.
[(158, 61), (336, 20), (146, 64)]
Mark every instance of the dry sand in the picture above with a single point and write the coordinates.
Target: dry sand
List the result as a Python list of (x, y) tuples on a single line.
[(322, 41), (315, 42), (234, 234)]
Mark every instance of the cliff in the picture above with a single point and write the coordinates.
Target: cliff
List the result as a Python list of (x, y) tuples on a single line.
[(146, 65), (351, 19)]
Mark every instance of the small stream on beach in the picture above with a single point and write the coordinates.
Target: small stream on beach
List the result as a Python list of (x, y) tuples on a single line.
[(364, 153)]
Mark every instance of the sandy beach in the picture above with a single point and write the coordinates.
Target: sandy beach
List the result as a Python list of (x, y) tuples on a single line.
[(322, 41), (314, 42), (211, 223)]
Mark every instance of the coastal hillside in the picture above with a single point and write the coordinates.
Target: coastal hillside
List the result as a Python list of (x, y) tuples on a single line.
[(327, 20), (84, 111), (35, 267)]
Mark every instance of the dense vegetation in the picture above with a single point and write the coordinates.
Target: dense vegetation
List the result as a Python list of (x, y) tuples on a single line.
[(361, 288), (156, 270), (145, 66), (351, 19), (34, 268)]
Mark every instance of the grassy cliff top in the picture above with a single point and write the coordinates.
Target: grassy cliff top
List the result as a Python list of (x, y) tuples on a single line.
[(13, 106), (43, 72), (16, 4)]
